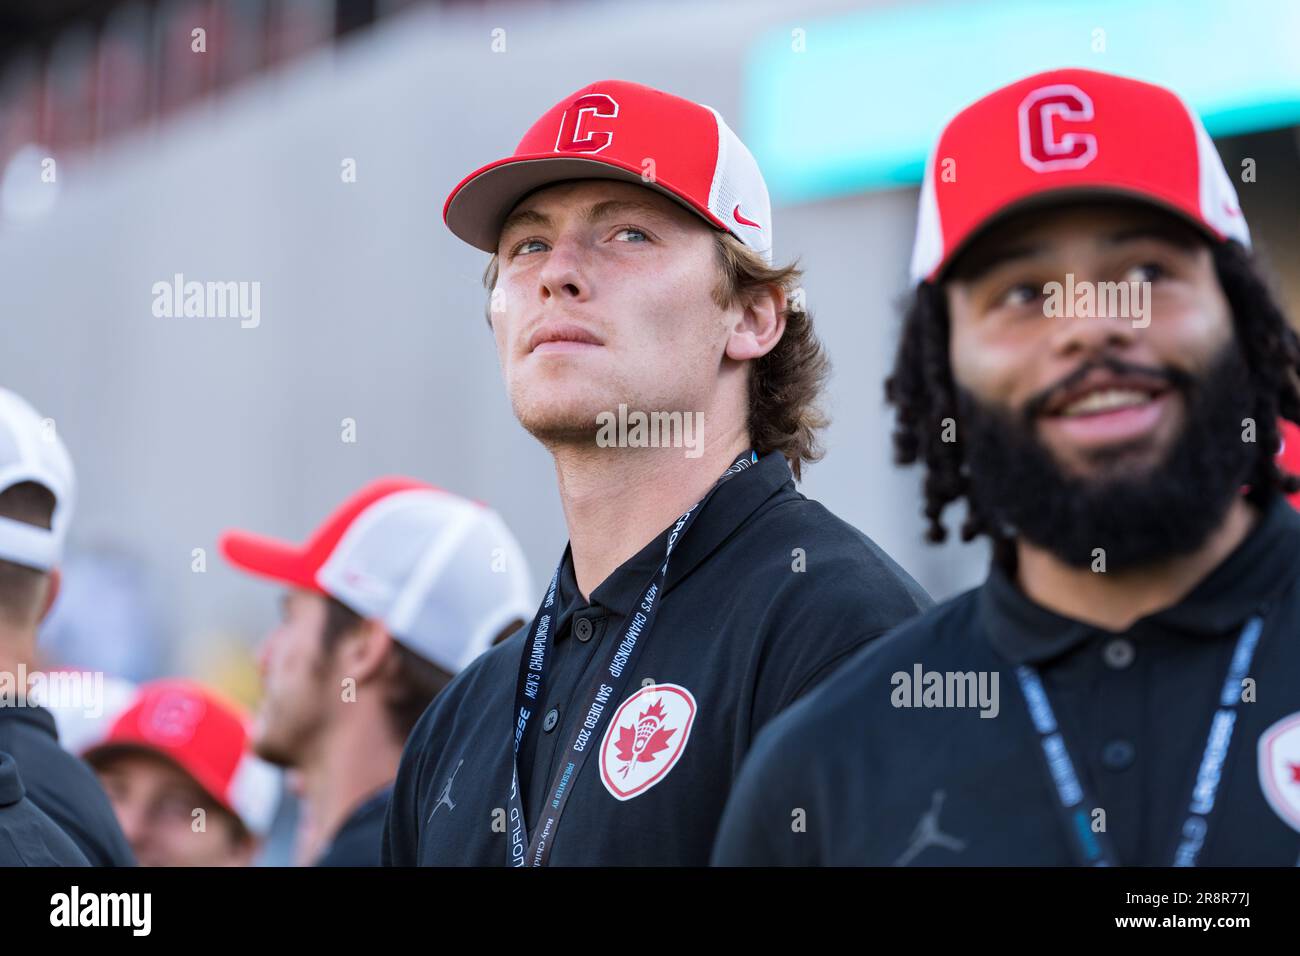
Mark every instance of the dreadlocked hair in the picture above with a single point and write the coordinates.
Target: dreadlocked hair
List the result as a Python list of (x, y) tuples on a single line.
[(924, 396)]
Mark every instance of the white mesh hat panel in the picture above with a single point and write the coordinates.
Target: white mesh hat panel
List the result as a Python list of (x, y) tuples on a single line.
[(443, 573), (927, 250), (1219, 203), (739, 196), (453, 611)]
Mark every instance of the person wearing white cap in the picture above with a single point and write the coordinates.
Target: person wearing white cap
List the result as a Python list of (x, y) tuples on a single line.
[(399, 589), (37, 488)]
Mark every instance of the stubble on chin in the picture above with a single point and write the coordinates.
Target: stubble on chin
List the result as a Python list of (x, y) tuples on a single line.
[(274, 752), (558, 427), (562, 413), (280, 742)]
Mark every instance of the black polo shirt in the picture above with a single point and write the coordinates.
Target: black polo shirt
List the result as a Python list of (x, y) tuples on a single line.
[(357, 841), (846, 777), (63, 786), (27, 836), (766, 594)]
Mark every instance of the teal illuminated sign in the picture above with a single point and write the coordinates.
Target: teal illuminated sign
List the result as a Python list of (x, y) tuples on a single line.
[(851, 103)]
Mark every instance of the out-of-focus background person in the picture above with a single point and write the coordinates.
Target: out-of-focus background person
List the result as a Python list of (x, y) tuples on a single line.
[(182, 778), (400, 588), (37, 488)]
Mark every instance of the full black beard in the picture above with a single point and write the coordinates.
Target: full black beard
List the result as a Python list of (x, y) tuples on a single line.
[(1138, 517)]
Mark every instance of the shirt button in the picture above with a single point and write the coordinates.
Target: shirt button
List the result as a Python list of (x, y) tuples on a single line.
[(583, 629), (1118, 654), (1118, 755), (552, 718)]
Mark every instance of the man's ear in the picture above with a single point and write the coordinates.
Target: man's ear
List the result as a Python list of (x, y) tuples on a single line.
[(363, 653), (54, 582), (758, 326)]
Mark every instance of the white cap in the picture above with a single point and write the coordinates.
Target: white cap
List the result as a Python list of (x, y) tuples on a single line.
[(31, 450), (443, 573)]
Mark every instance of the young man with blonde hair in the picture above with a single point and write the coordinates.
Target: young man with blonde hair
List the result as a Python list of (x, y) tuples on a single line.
[(671, 370)]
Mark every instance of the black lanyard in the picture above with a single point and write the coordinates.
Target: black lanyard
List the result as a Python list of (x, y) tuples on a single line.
[(1074, 800), (606, 689)]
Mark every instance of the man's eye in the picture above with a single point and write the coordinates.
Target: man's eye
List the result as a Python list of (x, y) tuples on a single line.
[(633, 235), (1020, 294), (1146, 272), (527, 246), (174, 807)]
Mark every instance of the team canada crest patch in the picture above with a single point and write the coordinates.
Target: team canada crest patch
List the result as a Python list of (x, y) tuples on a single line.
[(645, 738), (1279, 768)]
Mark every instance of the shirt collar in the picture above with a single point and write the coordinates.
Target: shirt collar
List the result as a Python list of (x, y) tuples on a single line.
[(1245, 583), (735, 500)]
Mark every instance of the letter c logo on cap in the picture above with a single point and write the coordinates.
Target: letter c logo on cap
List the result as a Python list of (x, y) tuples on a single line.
[(572, 137), (1043, 147)]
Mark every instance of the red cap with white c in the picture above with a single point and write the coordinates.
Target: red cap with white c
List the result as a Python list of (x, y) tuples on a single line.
[(1063, 134), (625, 131)]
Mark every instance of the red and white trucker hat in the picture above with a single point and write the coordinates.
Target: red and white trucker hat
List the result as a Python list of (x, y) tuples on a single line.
[(1064, 133), (619, 130), (443, 573), (31, 450), (206, 736)]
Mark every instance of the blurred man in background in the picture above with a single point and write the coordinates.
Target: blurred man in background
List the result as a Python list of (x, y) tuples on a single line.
[(396, 592), (184, 783), (632, 281), (1122, 688), (36, 498)]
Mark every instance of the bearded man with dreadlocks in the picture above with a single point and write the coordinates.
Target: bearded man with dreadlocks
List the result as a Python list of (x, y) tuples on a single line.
[(1092, 363)]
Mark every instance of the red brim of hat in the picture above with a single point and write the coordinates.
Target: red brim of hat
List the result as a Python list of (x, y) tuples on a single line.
[(271, 558)]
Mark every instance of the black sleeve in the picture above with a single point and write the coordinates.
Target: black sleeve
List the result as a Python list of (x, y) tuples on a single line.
[(30, 838), (70, 794), (395, 840), (767, 817), (841, 595), (815, 630), (97, 834)]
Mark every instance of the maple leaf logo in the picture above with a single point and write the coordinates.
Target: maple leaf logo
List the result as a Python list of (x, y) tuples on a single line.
[(641, 742)]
